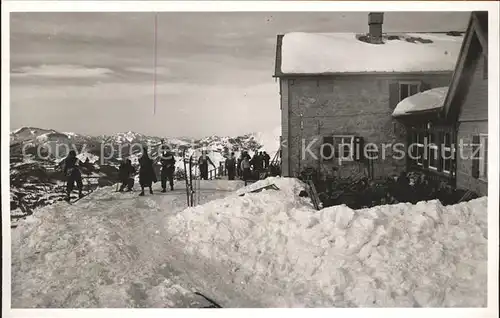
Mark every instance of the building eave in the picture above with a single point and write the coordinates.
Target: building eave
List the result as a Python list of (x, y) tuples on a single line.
[(295, 75), (474, 29)]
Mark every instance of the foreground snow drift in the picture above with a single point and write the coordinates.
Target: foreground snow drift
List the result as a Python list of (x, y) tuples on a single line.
[(394, 255), (107, 250)]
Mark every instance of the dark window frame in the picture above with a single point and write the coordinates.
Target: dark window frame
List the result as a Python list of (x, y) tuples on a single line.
[(408, 85), (441, 143)]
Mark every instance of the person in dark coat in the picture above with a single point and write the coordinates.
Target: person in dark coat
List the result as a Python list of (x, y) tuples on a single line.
[(73, 174), (231, 166), (256, 162), (126, 175), (267, 159), (203, 162), (167, 170), (147, 175)]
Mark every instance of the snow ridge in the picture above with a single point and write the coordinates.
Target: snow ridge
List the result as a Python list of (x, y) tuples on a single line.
[(403, 255)]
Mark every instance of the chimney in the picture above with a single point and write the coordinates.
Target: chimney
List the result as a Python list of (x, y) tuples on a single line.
[(375, 21)]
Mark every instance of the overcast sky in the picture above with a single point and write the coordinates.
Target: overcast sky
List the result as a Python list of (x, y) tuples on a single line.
[(93, 72)]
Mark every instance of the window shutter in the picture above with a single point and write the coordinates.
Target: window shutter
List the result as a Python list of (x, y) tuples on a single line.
[(393, 95), (475, 157), (326, 153)]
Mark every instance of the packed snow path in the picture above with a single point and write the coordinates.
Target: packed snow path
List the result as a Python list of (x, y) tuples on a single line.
[(108, 250)]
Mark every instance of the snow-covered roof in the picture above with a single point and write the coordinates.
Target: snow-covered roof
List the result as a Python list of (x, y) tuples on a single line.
[(426, 100), (324, 53)]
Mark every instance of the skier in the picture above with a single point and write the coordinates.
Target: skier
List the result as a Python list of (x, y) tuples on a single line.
[(245, 168), (73, 174), (231, 166), (147, 174), (167, 170), (126, 174), (267, 159), (203, 162)]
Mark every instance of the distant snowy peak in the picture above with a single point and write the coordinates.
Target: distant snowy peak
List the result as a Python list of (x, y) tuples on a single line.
[(270, 141), (30, 130), (263, 141), (26, 133), (128, 136), (177, 141)]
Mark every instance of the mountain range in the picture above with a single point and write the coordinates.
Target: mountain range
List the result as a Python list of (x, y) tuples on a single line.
[(37, 180)]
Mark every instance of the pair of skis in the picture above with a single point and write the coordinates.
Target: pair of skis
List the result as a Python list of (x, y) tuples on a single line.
[(79, 198), (188, 176)]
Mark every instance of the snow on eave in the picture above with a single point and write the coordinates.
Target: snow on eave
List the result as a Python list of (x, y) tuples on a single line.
[(429, 100), (388, 73), (343, 53)]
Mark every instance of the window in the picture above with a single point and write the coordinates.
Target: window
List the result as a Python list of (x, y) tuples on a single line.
[(327, 148), (433, 150), (344, 147), (407, 89), (447, 153), (480, 156), (420, 143), (433, 160), (412, 148), (483, 157)]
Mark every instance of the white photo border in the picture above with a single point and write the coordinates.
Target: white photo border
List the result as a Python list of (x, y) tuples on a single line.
[(262, 6)]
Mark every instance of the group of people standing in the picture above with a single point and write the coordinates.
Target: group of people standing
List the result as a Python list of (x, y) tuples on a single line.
[(244, 166), (147, 174), (241, 167)]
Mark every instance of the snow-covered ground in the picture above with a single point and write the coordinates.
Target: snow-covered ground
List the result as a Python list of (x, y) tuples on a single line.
[(423, 255), (108, 250), (266, 249)]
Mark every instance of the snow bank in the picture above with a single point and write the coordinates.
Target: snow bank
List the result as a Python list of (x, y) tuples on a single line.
[(387, 256), (312, 53), (220, 185), (107, 251), (427, 100)]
